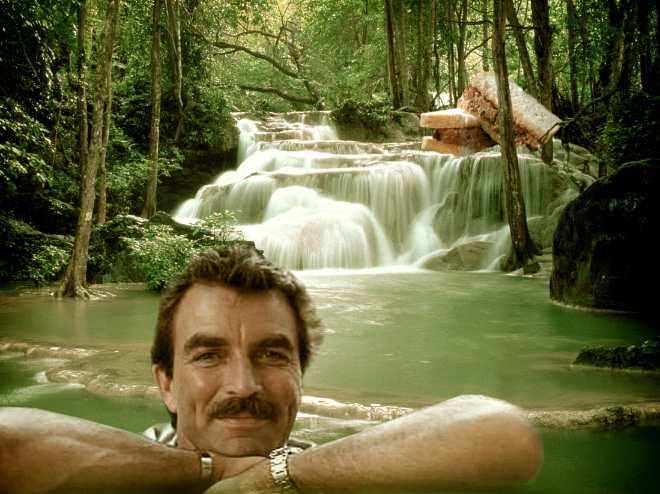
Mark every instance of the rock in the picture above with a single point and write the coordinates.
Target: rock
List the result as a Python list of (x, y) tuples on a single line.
[(601, 418), (113, 264), (373, 122), (646, 357), (19, 242), (542, 228), (531, 268), (198, 168), (603, 240), (471, 256)]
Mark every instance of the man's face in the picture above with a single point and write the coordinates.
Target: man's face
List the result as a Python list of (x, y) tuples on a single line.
[(228, 347)]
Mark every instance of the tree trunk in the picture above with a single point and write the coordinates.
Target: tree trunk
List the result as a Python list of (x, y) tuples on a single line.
[(403, 57), (427, 65), (543, 51), (417, 69), (648, 78), (81, 101), (572, 56), (462, 29), (485, 66), (74, 283), (453, 96), (436, 59), (174, 49), (522, 247), (425, 20), (523, 53), (297, 57), (150, 202), (391, 56), (102, 196)]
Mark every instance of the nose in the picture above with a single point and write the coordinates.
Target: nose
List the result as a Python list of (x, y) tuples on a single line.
[(241, 378)]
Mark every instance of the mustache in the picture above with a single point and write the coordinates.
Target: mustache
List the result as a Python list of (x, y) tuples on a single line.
[(254, 405)]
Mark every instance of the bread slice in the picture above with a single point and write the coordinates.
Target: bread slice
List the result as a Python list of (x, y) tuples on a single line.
[(531, 120), (456, 132), (455, 118), (430, 144), (458, 142)]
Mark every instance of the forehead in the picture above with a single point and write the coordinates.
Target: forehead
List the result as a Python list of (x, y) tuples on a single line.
[(229, 313)]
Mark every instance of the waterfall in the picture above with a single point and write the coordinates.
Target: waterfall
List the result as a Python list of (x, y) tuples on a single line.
[(312, 201)]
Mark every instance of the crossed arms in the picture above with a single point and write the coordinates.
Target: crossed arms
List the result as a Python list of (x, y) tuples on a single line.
[(466, 443)]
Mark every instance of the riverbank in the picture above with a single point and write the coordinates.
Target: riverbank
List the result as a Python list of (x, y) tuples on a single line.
[(124, 373)]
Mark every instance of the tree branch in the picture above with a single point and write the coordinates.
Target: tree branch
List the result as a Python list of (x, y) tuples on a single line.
[(281, 94), (223, 45)]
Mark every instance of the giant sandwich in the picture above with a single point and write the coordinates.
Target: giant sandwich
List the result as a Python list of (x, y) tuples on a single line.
[(533, 124)]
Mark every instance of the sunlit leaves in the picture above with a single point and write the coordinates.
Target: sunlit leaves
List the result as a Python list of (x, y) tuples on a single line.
[(24, 143)]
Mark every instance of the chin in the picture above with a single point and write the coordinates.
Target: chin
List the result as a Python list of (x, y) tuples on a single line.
[(244, 447)]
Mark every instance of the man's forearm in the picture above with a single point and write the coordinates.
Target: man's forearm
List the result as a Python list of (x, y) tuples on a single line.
[(42, 451), (465, 443)]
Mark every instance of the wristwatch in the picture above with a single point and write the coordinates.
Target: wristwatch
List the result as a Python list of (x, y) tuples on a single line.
[(279, 469)]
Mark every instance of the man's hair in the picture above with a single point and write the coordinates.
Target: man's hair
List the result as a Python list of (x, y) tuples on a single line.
[(244, 269)]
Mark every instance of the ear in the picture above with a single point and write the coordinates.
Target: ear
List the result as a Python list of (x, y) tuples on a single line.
[(165, 387)]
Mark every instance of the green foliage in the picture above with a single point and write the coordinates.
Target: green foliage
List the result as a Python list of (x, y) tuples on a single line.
[(631, 134), (161, 253), (204, 124), (18, 244), (23, 144), (370, 115), (30, 255), (107, 240), (218, 228), (47, 264), (127, 173), (36, 39)]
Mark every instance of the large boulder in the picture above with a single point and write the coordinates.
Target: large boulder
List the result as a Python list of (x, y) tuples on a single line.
[(19, 243), (471, 256), (604, 239), (110, 261)]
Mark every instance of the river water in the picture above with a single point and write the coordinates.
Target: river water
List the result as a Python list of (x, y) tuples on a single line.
[(357, 228), (405, 338)]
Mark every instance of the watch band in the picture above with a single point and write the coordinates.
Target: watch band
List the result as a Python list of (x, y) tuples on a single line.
[(206, 468), (279, 469)]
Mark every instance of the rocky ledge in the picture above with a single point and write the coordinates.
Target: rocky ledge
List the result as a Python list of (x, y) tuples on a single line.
[(126, 373), (645, 357)]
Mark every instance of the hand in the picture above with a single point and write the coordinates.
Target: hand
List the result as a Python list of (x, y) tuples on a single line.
[(247, 475)]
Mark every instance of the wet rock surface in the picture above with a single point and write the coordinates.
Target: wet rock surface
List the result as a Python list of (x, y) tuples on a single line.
[(645, 357), (601, 243)]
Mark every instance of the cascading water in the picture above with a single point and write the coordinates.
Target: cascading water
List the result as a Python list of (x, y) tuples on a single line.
[(311, 201)]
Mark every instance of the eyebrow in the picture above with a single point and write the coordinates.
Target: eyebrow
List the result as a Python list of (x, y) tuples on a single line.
[(276, 341), (200, 340)]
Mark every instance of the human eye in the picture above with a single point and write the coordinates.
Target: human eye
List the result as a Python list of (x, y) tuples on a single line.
[(207, 357), (273, 356)]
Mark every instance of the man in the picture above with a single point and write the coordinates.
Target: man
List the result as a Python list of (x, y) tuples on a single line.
[(233, 338)]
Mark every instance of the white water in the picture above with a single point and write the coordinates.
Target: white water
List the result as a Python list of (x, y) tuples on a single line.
[(311, 201)]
